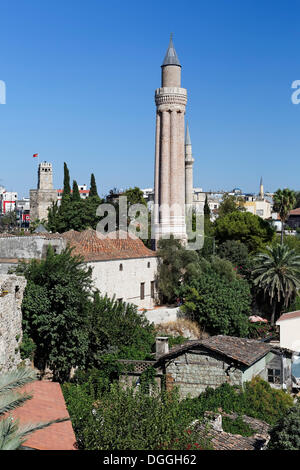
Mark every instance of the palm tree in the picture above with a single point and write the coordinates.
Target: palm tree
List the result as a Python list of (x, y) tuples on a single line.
[(284, 201), (277, 274), (11, 435)]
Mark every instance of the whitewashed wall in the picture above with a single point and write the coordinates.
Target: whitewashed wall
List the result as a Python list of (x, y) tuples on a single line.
[(125, 284), (290, 333)]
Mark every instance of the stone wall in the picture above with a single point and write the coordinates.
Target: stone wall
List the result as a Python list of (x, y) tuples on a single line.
[(28, 247), (196, 370), (11, 295)]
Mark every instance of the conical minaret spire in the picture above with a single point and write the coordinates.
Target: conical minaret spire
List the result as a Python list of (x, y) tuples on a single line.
[(171, 57), (189, 161)]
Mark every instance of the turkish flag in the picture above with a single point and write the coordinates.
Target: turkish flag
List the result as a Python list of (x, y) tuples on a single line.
[(35, 155)]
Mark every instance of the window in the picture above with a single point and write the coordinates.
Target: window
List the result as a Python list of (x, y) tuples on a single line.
[(152, 289), (121, 267), (274, 376), (142, 291), (148, 264)]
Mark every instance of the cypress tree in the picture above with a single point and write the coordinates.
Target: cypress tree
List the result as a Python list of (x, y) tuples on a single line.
[(93, 187), (206, 207), (75, 194), (67, 187)]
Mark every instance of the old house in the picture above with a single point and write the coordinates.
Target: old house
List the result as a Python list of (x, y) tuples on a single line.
[(122, 265), (196, 365), (289, 324)]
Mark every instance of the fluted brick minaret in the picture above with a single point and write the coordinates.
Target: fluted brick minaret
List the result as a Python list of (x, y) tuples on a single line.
[(189, 161), (170, 99)]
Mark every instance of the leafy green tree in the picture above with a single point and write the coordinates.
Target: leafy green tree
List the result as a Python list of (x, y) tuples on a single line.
[(117, 327), (8, 221), (277, 274), (220, 305), (74, 213), (135, 196), (230, 204), (175, 266), (56, 310), (284, 201), (285, 435), (250, 229), (237, 253), (297, 201), (12, 436)]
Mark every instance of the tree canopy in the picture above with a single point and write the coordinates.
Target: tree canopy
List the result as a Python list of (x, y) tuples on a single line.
[(250, 229)]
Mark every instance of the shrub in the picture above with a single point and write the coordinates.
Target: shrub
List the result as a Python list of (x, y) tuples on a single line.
[(219, 305), (285, 435), (258, 400), (126, 419)]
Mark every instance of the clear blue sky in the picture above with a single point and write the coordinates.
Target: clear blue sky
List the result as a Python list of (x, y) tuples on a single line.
[(81, 76)]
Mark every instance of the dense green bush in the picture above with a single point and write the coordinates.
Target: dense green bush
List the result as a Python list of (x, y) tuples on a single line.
[(175, 265), (126, 419), (237, 426), (285, 435), (245, 227), (27, 348), (55, 310), (219, 305), (117, 327), (237, 253), (257, 399)]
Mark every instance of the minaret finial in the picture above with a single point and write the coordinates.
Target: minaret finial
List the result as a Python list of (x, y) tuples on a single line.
[(171, 57)]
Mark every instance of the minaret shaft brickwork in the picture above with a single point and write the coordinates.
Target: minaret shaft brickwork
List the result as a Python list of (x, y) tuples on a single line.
[(189, 162), (170, 99)]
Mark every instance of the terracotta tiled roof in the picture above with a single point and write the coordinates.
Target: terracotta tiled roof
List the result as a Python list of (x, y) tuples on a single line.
[(119, 245), (288, 316), (243, 350), (47, 404)]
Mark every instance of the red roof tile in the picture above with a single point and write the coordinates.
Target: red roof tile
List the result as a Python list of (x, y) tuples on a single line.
[(118, 245), (47, 404)]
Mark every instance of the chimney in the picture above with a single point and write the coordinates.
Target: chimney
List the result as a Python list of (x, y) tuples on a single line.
[(161, 346), (214, 419)]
